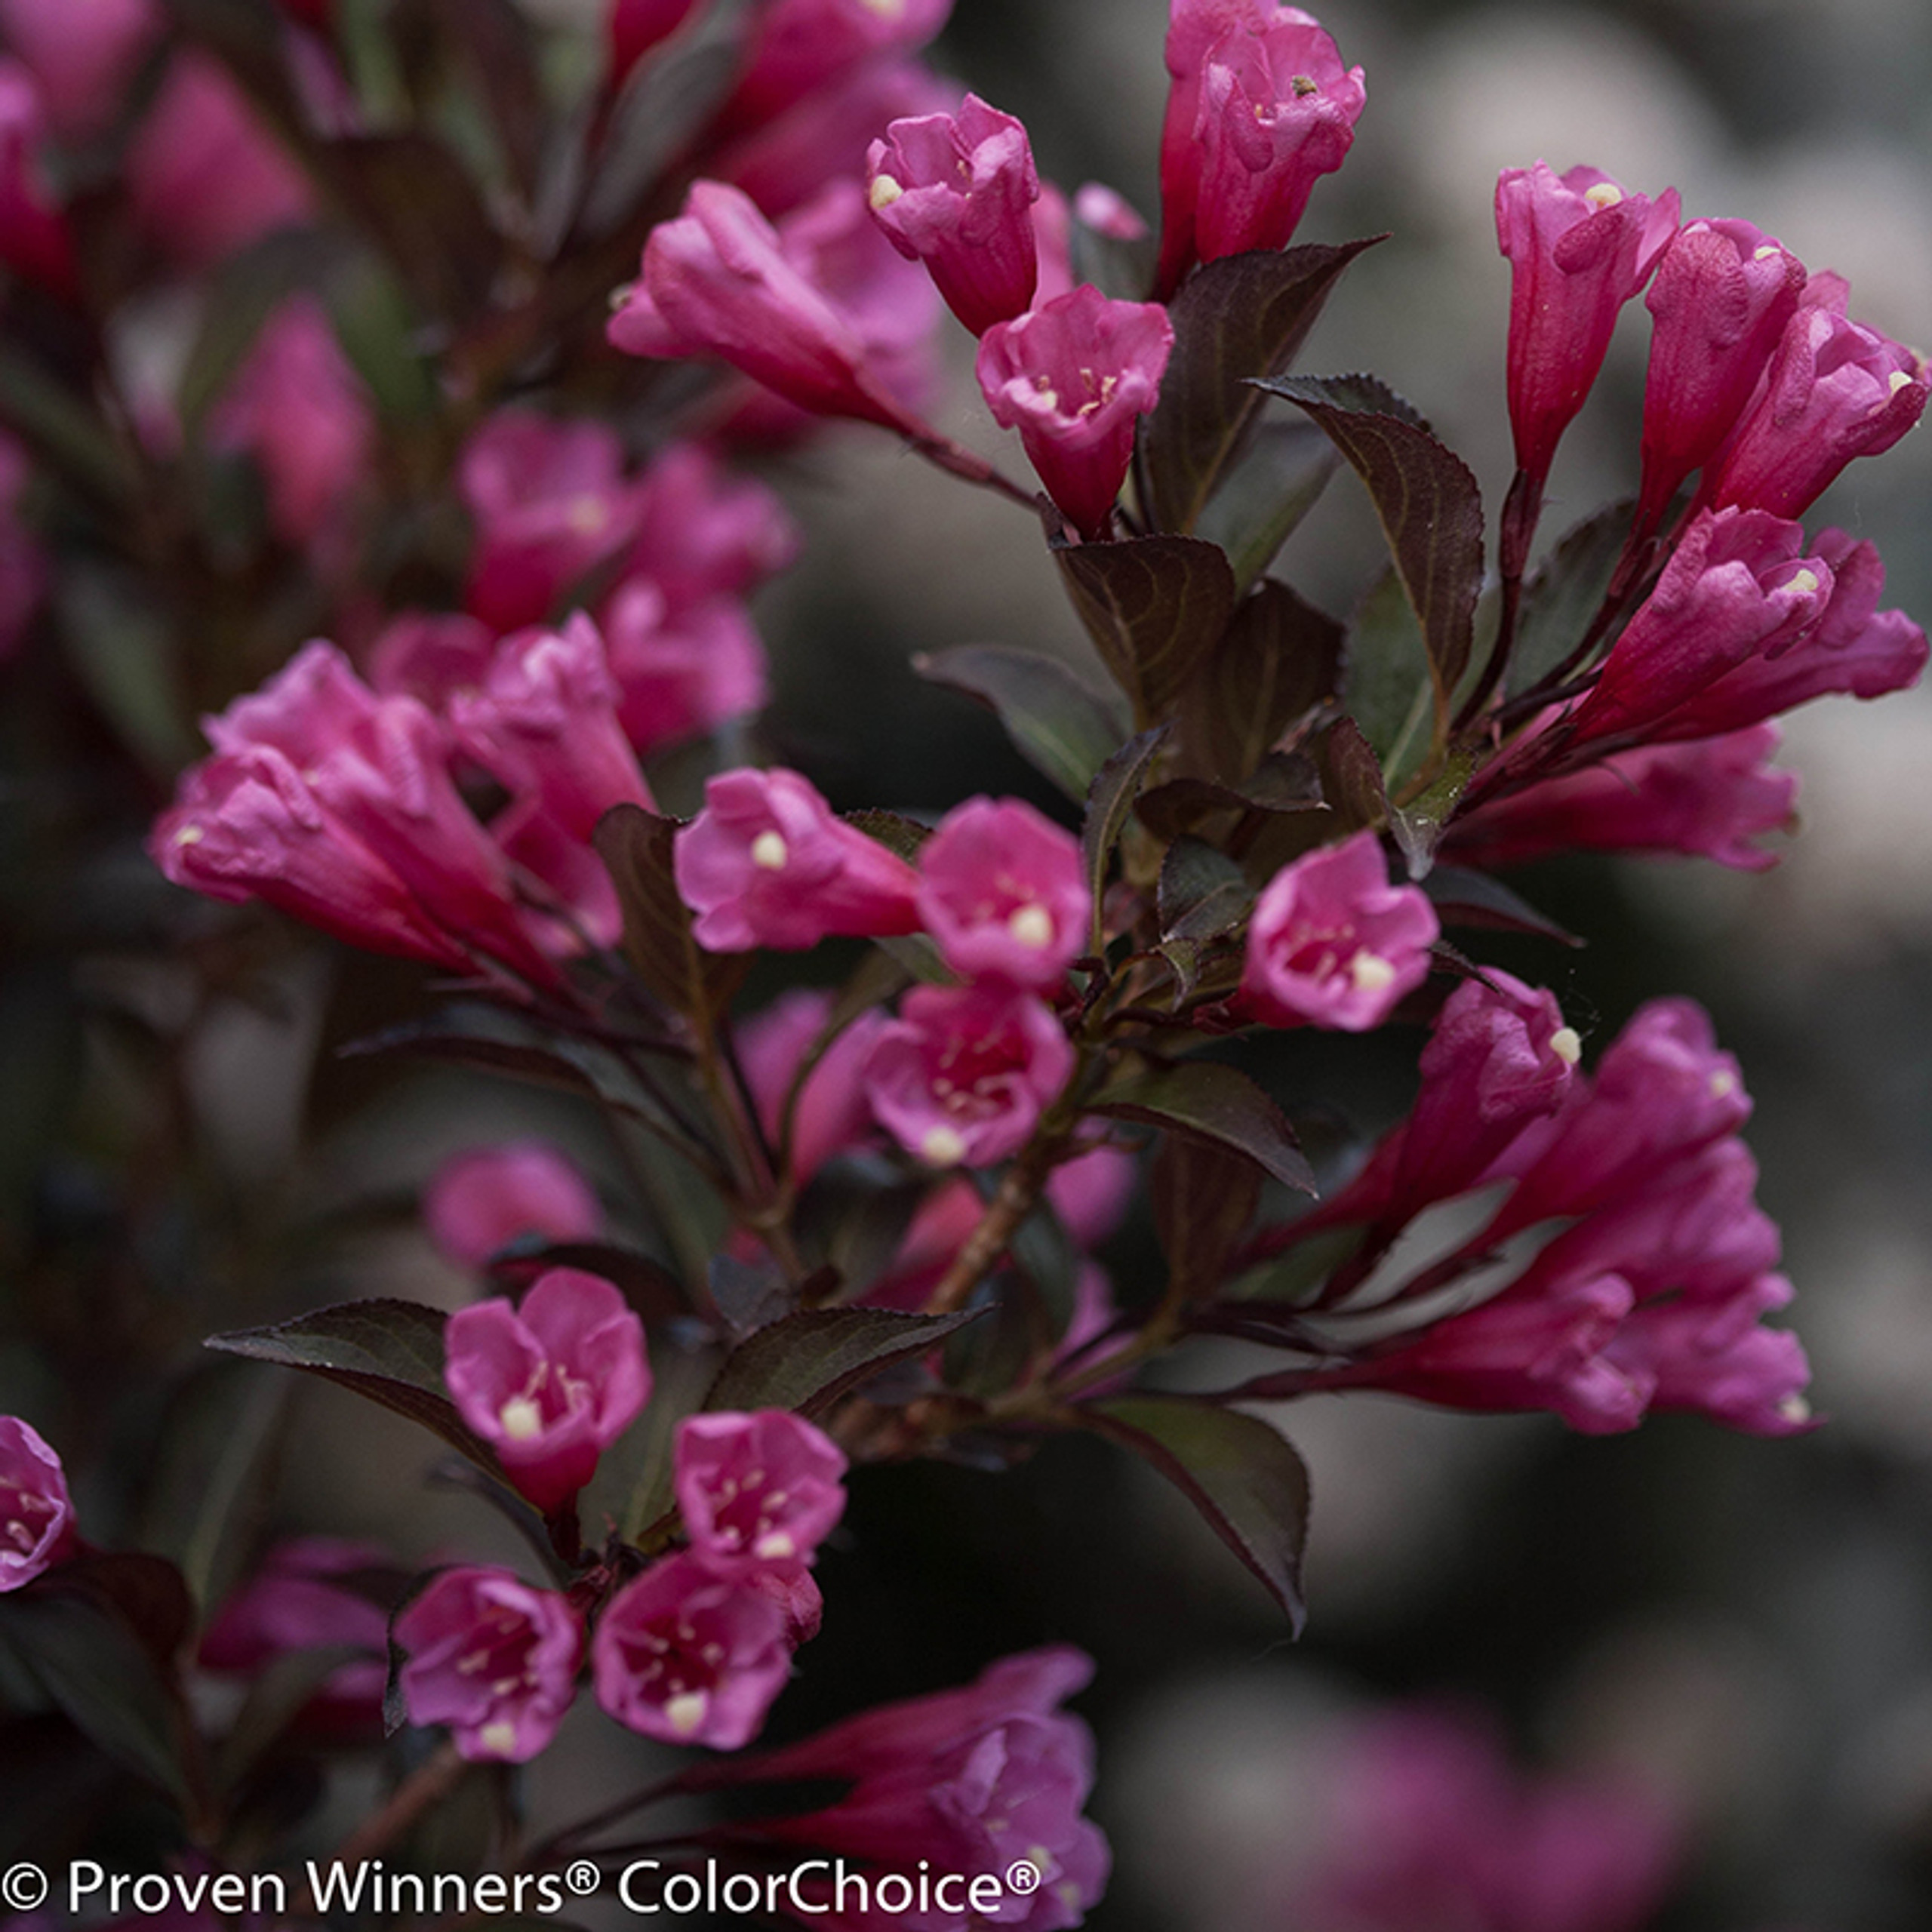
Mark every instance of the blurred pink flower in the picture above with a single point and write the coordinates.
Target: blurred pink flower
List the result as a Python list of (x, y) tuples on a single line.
[(479, 1201)]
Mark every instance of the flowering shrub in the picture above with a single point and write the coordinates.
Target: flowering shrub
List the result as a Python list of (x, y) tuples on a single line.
[(489, 355)]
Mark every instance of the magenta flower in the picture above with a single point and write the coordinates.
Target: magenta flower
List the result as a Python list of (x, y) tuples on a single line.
[(1716, 798), (82, 53), (957, 194), (300, 1599), (551, 1385), (964, 1780), (961, 1077), (691, 1657), (430, 656), (492, 1658), (632, 28), (478, 1202), (1274, 110), (1107, 211), (720, 281), (1002, 891), (550, 501), (204, 177), (703, 532), (1259, 105), (1578, 248), (36, 1518), (800, 48), (831, 1113), (298, 409), (765, 863), (1722, 295), (1332, 943), (1073, 377), (1835, 390), (757, 1492), (681, 670), (1713, 1356), (367, 773), (34, 239), (1736, 587), (545, 724)]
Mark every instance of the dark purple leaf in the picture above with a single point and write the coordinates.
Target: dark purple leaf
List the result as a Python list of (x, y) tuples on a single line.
[(806, 1361), (1274, 483), (636, 847), (1155, 607), (1243, 317), (1279, 658), (1463, 897), (1245, 1479), (1351, 777), (1203, 1197), (1561, 601), (900, 835), (1202, 892), (1212, 1102)]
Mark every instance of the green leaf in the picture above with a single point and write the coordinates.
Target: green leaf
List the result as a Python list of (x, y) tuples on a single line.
[(1202, 892), (1243, 1476), (1463, 897), (391, 1352), (1209, 1101), (1274, 482), (1203, 1197), (1110, 801), (1430, 508), (1419, 825), (1279, 658), (805, 1362), (1057, 723), (1122, 271), (1242, 317), (101, 1636), (1387, 689), (123, 652), (1561, 600), (636, 847), (1155, 607)]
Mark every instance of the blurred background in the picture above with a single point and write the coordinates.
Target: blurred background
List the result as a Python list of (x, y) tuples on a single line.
[(1716, 1651)]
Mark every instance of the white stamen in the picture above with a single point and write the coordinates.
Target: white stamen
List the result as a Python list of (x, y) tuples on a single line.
[(189, 834), (1723, 1083), (498, 1739), (1032, 926), (1370, 972), (521, 1418), (1605, 194), (1897, 379), (942, 1146), (1765, 253), (1567, 1044), (1795, 1408), (684, 1713), (884, 191), (769, 852), (776, 1548), (588, 515), (1805, 583)]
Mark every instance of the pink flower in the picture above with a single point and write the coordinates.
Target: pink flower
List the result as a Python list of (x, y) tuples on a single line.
[(492, 1658), (765, 863), (1722, 297), (1714, 798), (549, 501), (1073, 376), (1261, 107), (1332, 943), (1578, 248), (34, 239), (1107, 211), (632, 28), (798, 47), (1002, 891), (372, 773), (549, 1385), (1714, 1356), (680, 671), (957, 194), (703, 531), (961, 1779), (831, 1112), (82, 53), (1835, 390), (545, 724), (720, 281), (690, 1657), (300, 1599), (757, 1492), (204, 177), (36, 1518), (963, 1075), (478, 1203), (299, 410), (1422, 1820), (1736, 587), (431, 656)]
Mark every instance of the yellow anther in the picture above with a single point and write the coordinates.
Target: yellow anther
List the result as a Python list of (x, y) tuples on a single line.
[(1370, 972), (521, 1418), (884, 191), (770, 852), (498, 1739), (1605, 194), (1032, 926), (942, 1146), (1805, 583), (685, 1713), (1567, 1044)]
